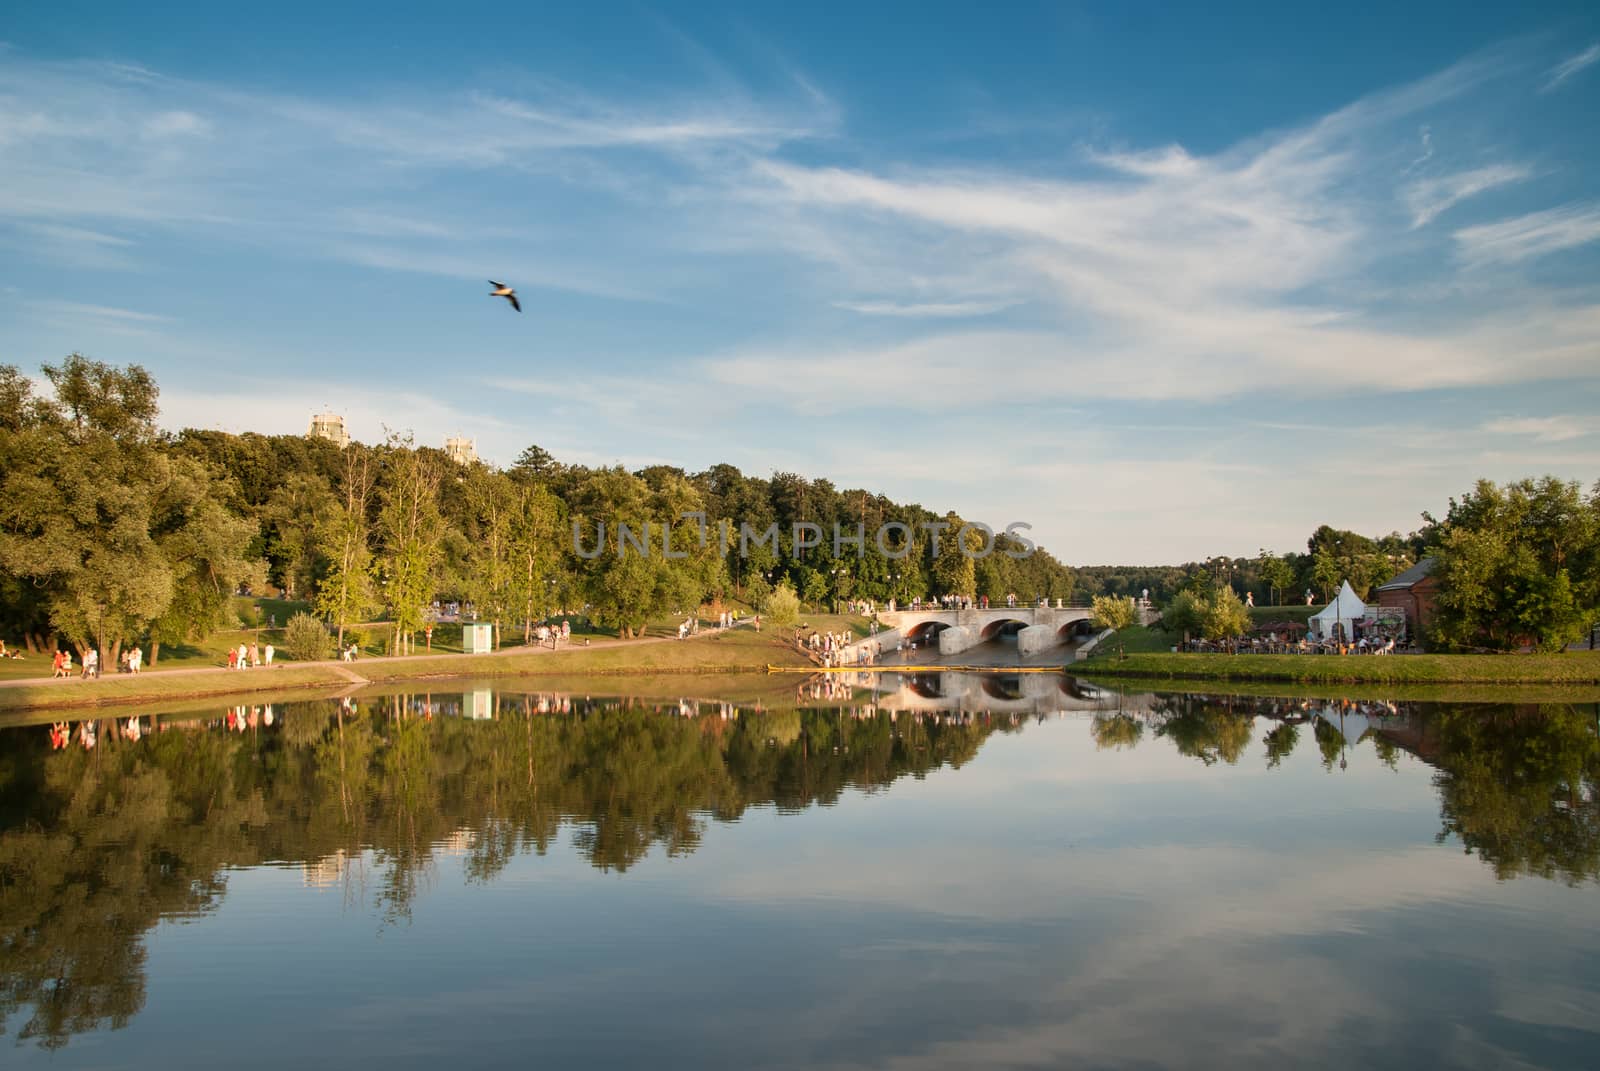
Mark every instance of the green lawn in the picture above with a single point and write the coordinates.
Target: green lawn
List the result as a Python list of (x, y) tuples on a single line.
[(1260, 615), (1135, 639)]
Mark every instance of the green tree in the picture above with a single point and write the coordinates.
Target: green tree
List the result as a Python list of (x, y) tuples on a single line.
[(345, 595), (1278, 574), (1516, 565), (1184, 614), (96, 516), (954, 572), (1114, 612), (1225, 616), (410, 533), (206, 551)]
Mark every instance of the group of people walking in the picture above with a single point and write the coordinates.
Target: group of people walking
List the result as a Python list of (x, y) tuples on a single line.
[(129, 661), (690, 626), (250, 655)]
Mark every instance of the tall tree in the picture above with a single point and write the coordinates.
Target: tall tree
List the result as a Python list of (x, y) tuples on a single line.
[(345, 594), (205, 548), (87, 497), (411, 533)]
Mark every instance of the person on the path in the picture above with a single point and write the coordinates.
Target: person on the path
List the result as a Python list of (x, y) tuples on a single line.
[(233, 658), (266, 655), (91, 663)]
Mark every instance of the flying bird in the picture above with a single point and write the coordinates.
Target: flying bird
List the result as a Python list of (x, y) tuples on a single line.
[(502, 290)]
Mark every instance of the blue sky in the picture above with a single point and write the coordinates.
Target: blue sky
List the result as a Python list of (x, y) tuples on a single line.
[(1162, 283)]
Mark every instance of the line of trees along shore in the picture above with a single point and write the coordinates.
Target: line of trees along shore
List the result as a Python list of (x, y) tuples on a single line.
[(113, 532), (1517, 566)]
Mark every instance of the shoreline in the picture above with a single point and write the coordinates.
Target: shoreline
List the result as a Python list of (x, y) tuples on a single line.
[(732, 652), (1567, 668)]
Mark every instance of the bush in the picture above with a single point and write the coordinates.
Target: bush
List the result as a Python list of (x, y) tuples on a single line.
[(306, 640), (782, 606), (1217, 615)]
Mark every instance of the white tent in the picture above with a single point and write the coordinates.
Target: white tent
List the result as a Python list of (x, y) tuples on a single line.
[(1345, 609)]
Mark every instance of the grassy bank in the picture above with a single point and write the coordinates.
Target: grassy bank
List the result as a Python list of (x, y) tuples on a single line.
[(741, 650), (1580, 667)]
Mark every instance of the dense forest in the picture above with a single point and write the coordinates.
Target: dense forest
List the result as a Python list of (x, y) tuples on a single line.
[(113, 532), (1332, 555)]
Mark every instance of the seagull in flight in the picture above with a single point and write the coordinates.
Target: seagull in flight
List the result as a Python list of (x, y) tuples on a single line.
[(502, 290)]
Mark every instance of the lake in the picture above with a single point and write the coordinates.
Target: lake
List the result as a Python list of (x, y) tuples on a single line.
[(941, 871)]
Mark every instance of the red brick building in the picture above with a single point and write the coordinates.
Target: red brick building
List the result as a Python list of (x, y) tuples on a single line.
[(1412, 592)]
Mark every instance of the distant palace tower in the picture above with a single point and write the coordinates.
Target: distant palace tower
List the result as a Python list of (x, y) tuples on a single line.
[(462, 451), (329, 426)]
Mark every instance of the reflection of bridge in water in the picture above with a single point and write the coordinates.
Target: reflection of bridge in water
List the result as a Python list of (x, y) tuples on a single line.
[(951, 692), (1016, 633)]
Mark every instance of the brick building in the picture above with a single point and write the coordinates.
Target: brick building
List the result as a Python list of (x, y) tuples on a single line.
[(1412, 592)]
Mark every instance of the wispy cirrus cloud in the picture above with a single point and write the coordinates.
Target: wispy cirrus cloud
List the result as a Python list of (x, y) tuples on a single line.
[(1427, 198), (1549, 429), (1535, 234), (926, 309), (1571, 66)]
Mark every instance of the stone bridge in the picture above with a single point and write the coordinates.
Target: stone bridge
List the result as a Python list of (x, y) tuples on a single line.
[(1037, 627)]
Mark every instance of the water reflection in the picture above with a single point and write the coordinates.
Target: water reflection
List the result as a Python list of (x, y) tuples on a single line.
[(110, 825)]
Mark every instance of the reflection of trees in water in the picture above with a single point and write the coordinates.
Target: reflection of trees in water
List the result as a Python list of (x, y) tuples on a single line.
[(1207, 729), (96, 847), (1116, 731), (1281, 741), (1521, 788), (1519, 785)]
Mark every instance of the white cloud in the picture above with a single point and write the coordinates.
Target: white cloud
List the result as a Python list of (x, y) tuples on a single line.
[(1571, 66), (1536, 234), (922, 309), (1429, 197), (1550, 429), (74, 308), (176, 124)]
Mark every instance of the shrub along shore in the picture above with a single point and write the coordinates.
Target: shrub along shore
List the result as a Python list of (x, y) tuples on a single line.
[(736, 651), (1572, 667)]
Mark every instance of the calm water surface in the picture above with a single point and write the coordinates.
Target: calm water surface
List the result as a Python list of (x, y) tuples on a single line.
[(948, 872)]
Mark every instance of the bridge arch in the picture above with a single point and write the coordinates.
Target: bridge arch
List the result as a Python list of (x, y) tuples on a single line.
[(924, 632), (1080, 628), (1004, 626)]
